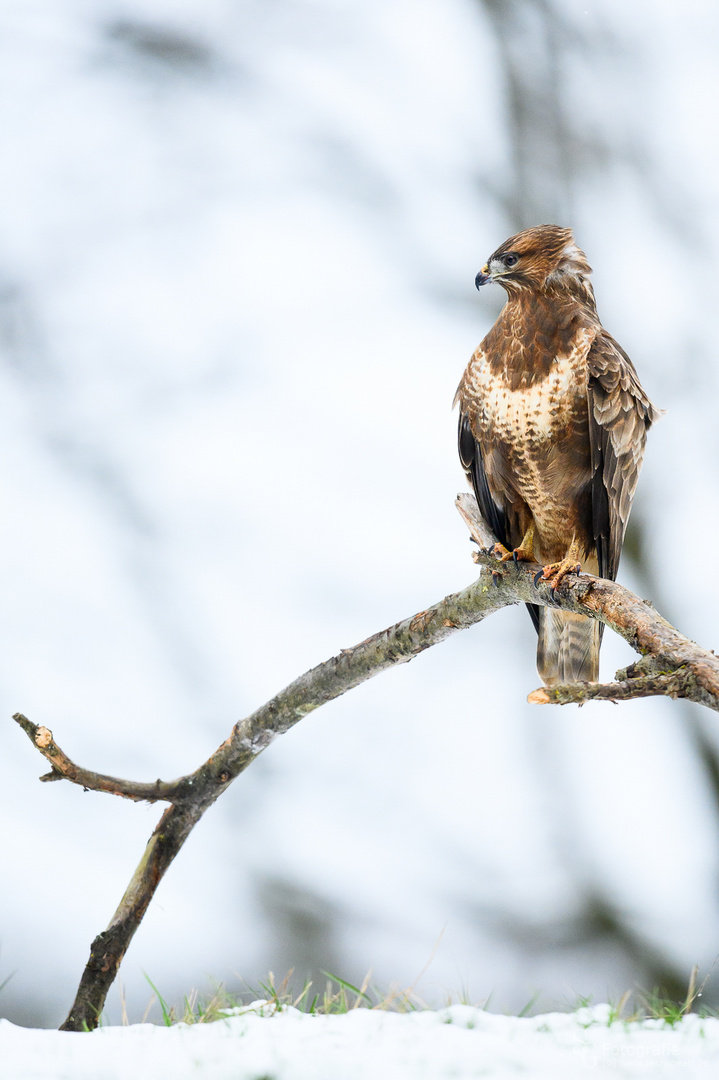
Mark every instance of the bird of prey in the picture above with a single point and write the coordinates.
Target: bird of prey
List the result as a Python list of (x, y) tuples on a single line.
[(552, 427)]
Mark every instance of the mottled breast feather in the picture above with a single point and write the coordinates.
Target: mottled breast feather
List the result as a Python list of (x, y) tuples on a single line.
[(525, 402)]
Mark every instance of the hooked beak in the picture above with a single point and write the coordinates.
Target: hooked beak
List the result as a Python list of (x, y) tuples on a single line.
[(483, 276)]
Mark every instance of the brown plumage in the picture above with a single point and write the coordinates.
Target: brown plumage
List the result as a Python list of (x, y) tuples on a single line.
[(552, 427)]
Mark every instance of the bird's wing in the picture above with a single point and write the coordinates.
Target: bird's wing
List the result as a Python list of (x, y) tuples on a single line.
[(620, 413), (470, 455)]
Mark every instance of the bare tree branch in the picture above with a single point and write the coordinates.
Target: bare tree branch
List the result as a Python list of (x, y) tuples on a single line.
[(671, 665), (676, 684)]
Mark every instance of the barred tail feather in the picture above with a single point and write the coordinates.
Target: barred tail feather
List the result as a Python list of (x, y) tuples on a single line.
[(568, 647)]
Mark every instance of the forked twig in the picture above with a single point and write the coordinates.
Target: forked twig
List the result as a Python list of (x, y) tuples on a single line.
[(65, 769)]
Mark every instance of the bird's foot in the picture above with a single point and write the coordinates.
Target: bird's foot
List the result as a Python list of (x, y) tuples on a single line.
[(556, 572), (519, 554)]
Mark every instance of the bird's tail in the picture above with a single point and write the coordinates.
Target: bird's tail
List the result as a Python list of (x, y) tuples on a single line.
[(568, 647)]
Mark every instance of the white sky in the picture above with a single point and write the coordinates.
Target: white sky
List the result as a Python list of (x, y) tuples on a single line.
[(236, 297)]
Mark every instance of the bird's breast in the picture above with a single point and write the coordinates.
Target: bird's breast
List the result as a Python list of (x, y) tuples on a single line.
[(534, 438), (538, 412)]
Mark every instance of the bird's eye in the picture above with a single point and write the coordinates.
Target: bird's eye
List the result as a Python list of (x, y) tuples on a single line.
[(511, 260)]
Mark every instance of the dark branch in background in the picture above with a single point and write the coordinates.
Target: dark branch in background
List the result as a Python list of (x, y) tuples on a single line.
[(543, 49), (671, 665), (550, 147)]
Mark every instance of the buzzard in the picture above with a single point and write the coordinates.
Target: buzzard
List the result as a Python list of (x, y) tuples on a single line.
[(552, 427)]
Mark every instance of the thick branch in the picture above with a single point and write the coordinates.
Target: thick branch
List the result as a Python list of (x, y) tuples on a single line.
[(648, 633), (192, 795), (673, 665)]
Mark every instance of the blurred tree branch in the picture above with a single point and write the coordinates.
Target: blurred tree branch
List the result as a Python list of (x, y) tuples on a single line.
[(671, 665)]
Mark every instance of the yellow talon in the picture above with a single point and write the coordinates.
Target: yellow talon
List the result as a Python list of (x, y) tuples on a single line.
[(523, 553)]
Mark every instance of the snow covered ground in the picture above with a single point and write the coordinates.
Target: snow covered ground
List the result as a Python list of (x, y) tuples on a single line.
[(456, 1043)]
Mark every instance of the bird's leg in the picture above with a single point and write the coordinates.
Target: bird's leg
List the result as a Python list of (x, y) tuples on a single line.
[(525, 551), (556, 572)]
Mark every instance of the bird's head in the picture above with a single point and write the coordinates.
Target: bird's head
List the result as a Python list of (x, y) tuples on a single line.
[(536, 258)]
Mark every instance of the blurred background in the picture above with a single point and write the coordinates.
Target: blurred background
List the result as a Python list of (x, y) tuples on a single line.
[(238, 241)]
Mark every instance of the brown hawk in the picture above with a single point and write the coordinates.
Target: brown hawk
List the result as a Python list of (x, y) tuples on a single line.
[(552, 427)]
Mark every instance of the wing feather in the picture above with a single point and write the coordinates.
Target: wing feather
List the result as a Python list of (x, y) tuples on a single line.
[(620, 414), (470, 455)]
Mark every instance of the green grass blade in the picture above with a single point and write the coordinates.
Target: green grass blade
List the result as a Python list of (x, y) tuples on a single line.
[(347, 985), (167, 1016)]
